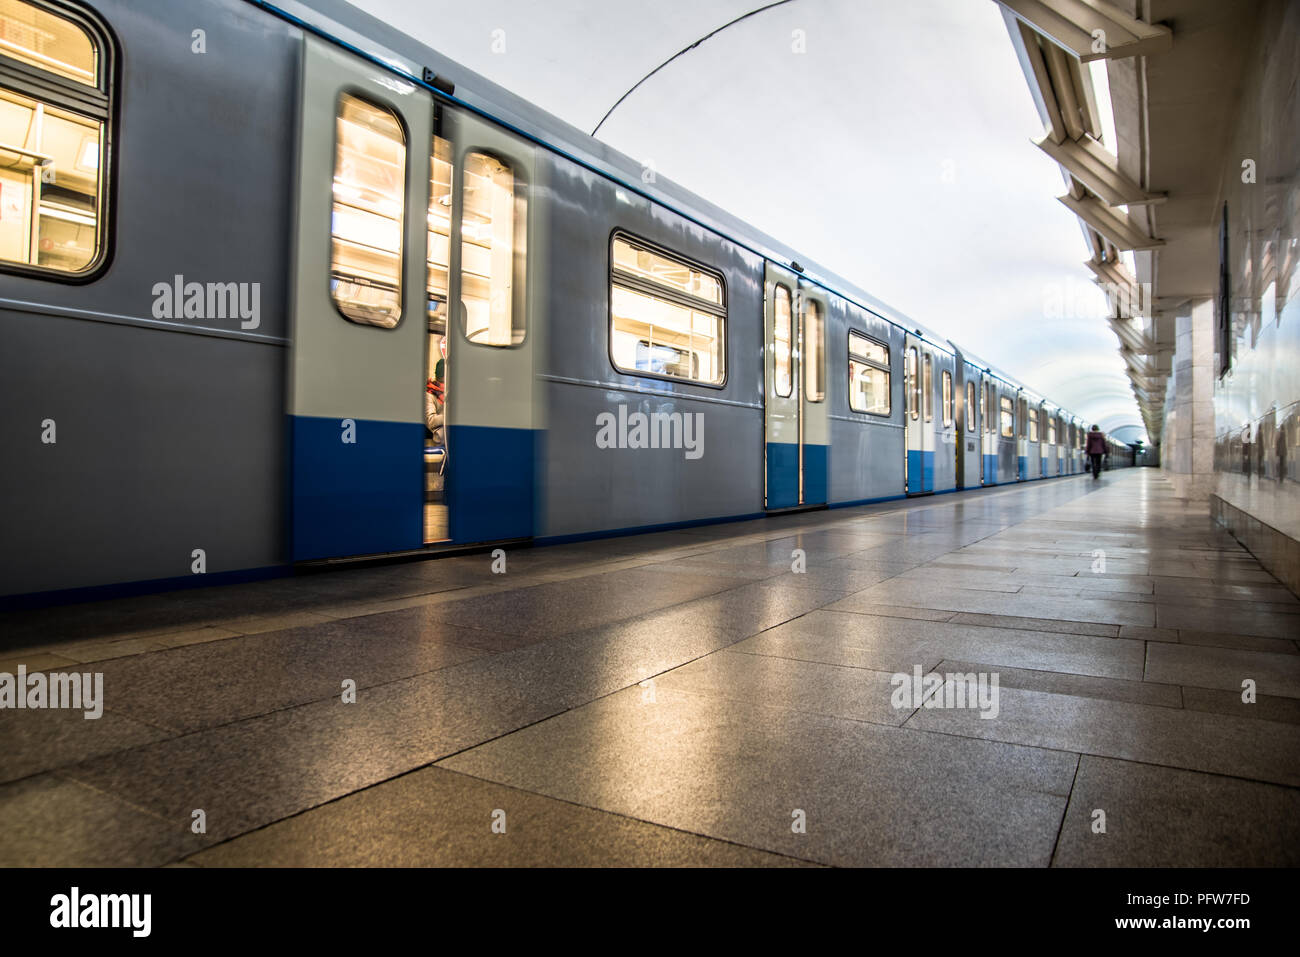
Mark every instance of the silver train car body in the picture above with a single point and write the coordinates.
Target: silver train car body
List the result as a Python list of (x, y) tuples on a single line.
[(621, 356)]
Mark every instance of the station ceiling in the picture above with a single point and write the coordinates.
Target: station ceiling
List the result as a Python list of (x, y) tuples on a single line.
[(892, 142)]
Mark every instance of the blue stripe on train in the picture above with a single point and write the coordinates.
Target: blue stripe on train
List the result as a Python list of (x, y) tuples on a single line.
[(490, 487), (990, 469), (1022, 464), (354, 498), (920, 465)]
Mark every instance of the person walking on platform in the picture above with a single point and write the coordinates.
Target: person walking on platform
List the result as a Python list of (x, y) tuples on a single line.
[(1096, 448)]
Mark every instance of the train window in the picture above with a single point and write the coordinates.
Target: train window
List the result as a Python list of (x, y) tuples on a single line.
[(946, 409), (54, 143), (1008, 417), (970, 405), (986, 408), (782, 342), (492, 214), (814, 355), (1022, 406), (667, 316), (369, 202), (1051, 430), (1033, 425), (868, 375), (927, 387), (912, 381), (439, 230)]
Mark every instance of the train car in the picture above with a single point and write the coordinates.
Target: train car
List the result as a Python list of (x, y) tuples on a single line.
[(284, 286)]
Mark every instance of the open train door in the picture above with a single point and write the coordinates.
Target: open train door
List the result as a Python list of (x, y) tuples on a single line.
[(814, 413), (491, 389), (782, 397), (355, 420), (918, 421)]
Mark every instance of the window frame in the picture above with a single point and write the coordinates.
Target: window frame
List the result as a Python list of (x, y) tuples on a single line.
[(970, 405), (99, 102), (363, 96), (912, 380), (927, 386), (808, 304), (519, 277), (1032, 424), (724, 315), (947, 406), (791, 385), (884, 367), (1006, 406)]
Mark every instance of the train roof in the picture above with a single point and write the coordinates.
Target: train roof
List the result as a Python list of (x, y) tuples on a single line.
[(365, 34)]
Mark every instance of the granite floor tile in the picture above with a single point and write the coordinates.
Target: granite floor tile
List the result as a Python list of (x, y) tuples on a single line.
[(48, 821), (1162, 817), (561, 607), (438, 818), (1192, 740), (1229, 620), (1224, 668), (791, 684), (1263, 708), (897, 644), (1080, 686), (896, 592), (204, 685), (870, 794), (33, 741)]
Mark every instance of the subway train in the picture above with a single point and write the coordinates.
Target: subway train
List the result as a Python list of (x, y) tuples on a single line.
[(281, 286)]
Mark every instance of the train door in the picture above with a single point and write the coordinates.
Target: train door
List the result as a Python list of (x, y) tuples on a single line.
[(491, 403), (919, 417), (814, 412), (988, 435), (355, 421), (970, 462), (962, 412), (782, 402), (1006, 434), (947, 435), (796, 423), (1022, 438)]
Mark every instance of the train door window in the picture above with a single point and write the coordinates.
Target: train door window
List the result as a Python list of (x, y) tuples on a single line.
[(1033, 425), (986, 408), (1008, 417), (783, 342), (667, 316), (814, 355), (369, 202), (970, 406), (927, 387), (439, 229), (1051, 430), (947, 407), (55, 79), (912, 382), (868, 375), (491, 227)]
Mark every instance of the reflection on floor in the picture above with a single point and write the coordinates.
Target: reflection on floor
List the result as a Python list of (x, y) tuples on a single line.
[(683, 697)]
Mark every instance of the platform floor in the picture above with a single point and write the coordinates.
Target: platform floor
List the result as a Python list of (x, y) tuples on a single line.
[(679, 698)]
